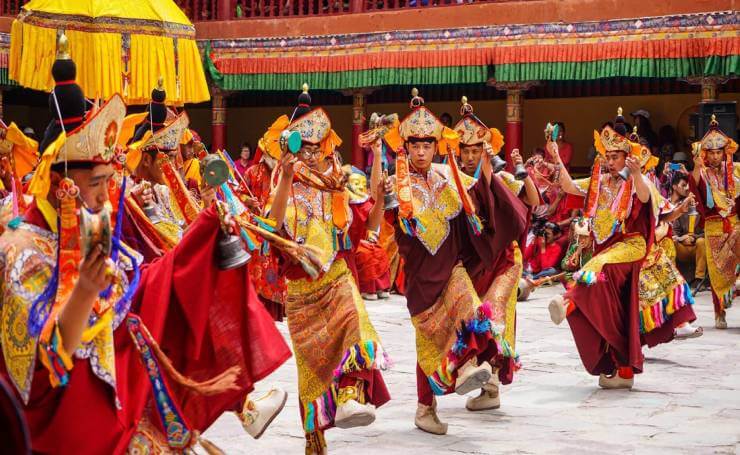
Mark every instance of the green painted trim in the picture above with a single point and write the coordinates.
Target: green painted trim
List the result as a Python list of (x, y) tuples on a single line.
[(559, 71), (356, 79), (664, 68)]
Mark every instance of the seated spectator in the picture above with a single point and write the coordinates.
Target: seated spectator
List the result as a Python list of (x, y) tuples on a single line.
[(544, 253), (687, 235)]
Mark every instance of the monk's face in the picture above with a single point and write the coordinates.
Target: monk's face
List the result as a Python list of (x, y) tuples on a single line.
[(149, 170), (714, 158), (421, 154), (615, 161), (310, 154), (93, 184), (471, 156)]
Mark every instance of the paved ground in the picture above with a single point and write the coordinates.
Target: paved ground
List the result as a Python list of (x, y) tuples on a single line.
[(687, 401)]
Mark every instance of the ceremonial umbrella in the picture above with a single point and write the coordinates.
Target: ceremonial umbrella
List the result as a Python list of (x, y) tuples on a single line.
[(120, 46)]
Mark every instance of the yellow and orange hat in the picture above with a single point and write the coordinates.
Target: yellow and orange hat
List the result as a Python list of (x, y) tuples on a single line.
[(473, 131)]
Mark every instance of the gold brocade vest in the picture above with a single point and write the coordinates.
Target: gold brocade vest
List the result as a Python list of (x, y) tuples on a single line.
[(723, 202), (511, 183), (27, 259), (436, 202), (309, 221), (607, 219)]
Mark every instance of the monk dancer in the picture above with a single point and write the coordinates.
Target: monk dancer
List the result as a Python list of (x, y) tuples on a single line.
[(338, 353), (499, 282), (84, 329), (448, 227), (715, 182), (603, 307)]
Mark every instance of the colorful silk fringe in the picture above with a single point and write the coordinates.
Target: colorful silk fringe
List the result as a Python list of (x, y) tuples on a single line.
[(367, 355), (443, 379), (657, 315)]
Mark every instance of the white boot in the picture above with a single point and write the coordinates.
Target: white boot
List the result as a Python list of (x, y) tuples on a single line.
[(489, 397), (352, 414), (426, 419), (615, 382), (471, 377), (383, 295), (558, 309), (688, 331), (720, 322), (258, 414), (366, 296)]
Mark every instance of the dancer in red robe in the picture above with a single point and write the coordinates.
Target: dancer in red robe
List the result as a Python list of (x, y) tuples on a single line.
[(603, 307), (449, 227), (105, 355)]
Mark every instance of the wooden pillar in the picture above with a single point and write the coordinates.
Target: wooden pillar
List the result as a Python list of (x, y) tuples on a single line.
[(218, 121), (514, 132), (359, 101), (358, 126), (709, 86)]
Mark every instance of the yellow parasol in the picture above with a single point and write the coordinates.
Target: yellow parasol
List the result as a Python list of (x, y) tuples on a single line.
[(119, 46)]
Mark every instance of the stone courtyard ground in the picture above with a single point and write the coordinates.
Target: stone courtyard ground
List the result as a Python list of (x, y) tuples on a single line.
[(686, 401)]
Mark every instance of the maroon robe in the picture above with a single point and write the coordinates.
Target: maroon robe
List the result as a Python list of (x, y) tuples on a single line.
[(198, 316), (504, 219)]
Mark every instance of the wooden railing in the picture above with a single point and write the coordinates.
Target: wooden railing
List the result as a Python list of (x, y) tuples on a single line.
[(10, 7), (220, 10), (209, 10)]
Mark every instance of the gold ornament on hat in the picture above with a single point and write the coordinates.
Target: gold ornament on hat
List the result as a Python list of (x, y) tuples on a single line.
[(471, 129), (63, 48)]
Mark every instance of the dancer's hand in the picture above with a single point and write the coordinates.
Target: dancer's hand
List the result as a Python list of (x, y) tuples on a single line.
[(553, 151), (143, 194), (633, 165), (377, 148), (94, 276), (207, 195), (288, 164), (516, 157)]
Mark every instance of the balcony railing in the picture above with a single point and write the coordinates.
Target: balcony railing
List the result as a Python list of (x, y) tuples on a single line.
[(10, 7), (220, 10), (209, 10)]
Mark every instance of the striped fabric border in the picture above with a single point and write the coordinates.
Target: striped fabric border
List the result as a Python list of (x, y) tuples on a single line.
[(667, 46)]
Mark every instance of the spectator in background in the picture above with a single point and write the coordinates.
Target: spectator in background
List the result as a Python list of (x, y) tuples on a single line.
[(544, 253), (687, 234), (31, 134), (244, 161), (565, 149), (446, 120), (667, 145), (641, 119)]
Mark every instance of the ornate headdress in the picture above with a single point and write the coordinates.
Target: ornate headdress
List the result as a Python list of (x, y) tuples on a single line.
[(716, 139), (473, 131), (420, 123), (313, 126)]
